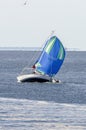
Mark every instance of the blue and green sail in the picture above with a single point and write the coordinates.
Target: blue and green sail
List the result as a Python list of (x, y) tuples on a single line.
[(51, 57)]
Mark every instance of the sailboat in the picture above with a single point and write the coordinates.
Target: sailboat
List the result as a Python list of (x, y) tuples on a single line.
[(48, 63)]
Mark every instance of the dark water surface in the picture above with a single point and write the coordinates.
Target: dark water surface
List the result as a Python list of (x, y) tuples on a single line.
[(39, 106)]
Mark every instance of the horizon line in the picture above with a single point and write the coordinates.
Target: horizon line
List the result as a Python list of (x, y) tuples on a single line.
[(35, 48)]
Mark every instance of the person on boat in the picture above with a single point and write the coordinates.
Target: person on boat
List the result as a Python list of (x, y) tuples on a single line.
[(33, 67)]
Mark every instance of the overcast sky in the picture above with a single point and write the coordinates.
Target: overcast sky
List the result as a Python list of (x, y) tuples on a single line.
[(29, 25)]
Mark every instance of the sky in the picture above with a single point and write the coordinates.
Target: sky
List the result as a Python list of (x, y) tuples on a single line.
[(30, 24)]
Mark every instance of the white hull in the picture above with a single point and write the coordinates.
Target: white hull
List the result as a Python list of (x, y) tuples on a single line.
[(35, 78)]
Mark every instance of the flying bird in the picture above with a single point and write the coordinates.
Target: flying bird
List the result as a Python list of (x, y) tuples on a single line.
[(25, 3)]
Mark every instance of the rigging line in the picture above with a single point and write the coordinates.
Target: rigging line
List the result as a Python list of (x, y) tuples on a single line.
[(51, 34), (42, 46), (29, 65)]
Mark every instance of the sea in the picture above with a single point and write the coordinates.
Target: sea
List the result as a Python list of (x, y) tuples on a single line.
[(42, 106)]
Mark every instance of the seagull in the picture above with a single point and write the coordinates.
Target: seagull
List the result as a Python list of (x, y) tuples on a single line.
[(25, 3)]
